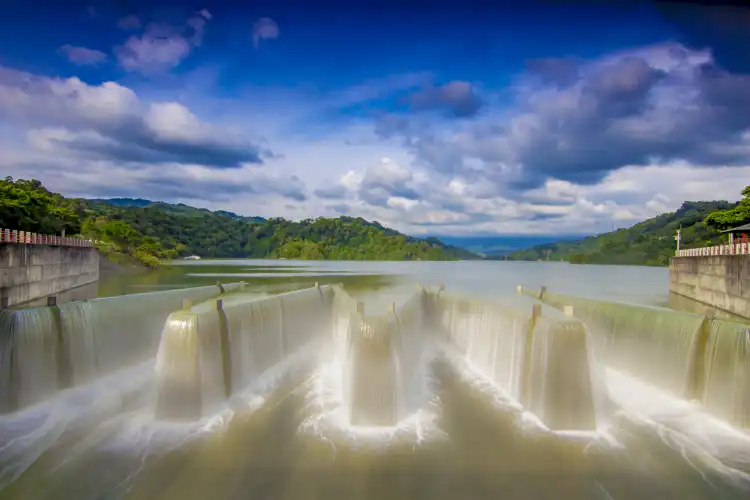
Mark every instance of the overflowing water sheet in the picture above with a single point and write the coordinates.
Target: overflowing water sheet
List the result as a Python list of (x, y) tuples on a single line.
[(213, 349), (684, 376), (543, 364), (363, 382), (46, 349)]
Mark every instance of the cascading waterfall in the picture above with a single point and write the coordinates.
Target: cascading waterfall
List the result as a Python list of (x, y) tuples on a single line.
[(381, 360), (372, 368), (542, 364), (215, 348), (409, 352), (562, 394), (690, 356), (28, 357), (45, 349), (346, 323), (726, 390)]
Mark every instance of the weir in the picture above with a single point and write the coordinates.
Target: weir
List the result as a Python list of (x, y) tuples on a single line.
[(210, 344), (541, 363), (46, 349), (381, 359), (216, 348), (691, 356), (209, 351)]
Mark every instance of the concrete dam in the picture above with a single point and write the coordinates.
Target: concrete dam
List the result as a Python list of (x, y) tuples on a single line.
[(218, 392)]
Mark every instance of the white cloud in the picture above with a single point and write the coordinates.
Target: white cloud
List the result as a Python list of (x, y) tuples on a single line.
[(83, 56), (579, 157), (160, 47), (109, 121)]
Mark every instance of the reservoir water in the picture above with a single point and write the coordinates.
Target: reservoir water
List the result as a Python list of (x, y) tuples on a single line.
[(284, 438)]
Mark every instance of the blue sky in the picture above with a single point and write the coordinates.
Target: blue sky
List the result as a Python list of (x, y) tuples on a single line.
[(449, 118)]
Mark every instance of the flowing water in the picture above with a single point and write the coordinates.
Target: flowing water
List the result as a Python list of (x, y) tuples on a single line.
[(286, 434)]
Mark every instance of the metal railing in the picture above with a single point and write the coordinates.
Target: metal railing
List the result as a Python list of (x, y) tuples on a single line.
[(29, 238)]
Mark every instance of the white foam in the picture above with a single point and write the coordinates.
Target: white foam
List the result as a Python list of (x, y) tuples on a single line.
[(501, 401), (682, 425), (98, 408), (328, 418), (29, 433)]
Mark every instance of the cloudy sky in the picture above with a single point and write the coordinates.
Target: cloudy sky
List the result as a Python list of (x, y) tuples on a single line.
[(457, 118)]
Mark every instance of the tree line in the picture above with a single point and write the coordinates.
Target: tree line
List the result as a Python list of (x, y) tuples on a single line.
[(651, 242), (151, 232)]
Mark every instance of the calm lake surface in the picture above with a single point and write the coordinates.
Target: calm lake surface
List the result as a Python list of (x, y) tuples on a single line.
[(393, 280), (284, 442)]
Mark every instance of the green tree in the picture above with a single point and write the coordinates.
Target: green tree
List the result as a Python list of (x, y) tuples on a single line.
[(149, 232), (650, 242), (738, 215), (26, 205)]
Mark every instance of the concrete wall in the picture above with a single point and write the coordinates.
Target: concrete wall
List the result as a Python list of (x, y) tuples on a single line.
[(721, 281), (28, 272)]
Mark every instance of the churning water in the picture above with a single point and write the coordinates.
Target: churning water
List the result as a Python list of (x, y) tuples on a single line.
[(447, 425)]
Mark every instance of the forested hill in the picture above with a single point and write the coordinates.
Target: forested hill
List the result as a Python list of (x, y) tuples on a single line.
[(167, 207), (650, 242), (149, 231)]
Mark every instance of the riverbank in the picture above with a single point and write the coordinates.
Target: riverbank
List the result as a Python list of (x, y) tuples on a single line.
[(111, 264)]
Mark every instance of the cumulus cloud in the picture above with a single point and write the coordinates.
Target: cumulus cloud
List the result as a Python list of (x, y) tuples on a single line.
[(583, 146), (162, 47), (68, 116), (420, 201), (176, 182), (264, 28), (82, 56), (387, 181), (582, 121)]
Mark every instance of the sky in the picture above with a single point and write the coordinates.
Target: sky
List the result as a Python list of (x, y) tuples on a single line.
[(470, 118)]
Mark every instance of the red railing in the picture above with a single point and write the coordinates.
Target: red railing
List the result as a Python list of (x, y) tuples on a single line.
[(28, 238)]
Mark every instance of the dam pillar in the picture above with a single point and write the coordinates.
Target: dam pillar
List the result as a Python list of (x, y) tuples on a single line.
[(179, 384), (568, 399)]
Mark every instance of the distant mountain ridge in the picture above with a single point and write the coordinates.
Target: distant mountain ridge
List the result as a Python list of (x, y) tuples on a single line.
[(504, 244), (651, 242), (178, 207)]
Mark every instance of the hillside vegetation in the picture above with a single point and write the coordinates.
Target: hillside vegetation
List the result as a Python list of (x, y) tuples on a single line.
[(651, 242), (150, 231)]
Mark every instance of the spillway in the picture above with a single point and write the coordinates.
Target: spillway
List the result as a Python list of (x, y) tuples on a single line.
[(695, 357), (47, 349), (234, 388)]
